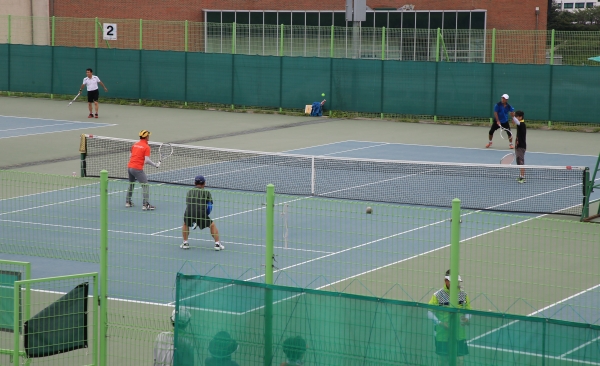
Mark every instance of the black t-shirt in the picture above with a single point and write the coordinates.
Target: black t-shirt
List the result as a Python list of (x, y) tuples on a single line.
[(196, 201), (522, 135)]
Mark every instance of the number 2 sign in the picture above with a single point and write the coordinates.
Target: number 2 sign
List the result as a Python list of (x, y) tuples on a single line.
[(109, 31)]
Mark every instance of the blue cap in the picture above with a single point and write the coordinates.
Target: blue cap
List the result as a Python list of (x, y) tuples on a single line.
[(199, 179)]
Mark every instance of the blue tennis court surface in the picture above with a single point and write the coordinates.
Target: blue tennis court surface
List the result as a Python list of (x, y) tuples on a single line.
[(11, 126)]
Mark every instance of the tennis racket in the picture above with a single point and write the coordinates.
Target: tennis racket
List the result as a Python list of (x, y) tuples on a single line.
[(507, 159), (164, 152), (505, 133), (71, 102)]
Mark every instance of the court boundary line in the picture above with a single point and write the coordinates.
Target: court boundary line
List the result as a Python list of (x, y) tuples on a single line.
[(47, 119), (46, 133), (474, 148), (538, 355)]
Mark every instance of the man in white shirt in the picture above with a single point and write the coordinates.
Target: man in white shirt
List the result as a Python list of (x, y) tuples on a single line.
[(92, 81)]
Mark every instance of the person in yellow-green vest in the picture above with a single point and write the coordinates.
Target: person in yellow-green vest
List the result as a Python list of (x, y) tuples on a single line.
[(441, 321)]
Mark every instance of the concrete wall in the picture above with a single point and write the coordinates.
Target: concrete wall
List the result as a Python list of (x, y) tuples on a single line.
[(24, 28)]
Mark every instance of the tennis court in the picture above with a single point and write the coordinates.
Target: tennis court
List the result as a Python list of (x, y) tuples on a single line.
[(320, 242)]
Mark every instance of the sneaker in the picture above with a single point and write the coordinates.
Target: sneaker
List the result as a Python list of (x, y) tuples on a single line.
[(511, 146), (219, 246), (521, 180), (128, 204), (185, 245), (488, 144), (96, 115), (147, 207), (91, 116)]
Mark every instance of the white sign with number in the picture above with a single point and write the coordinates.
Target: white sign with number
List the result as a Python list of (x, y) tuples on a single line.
[(109, 31)]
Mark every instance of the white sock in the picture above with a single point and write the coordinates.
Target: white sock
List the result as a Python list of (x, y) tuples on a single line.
[(217, 243), (185, 242)]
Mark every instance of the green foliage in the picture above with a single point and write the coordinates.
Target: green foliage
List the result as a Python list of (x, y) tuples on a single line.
[(579, 20)]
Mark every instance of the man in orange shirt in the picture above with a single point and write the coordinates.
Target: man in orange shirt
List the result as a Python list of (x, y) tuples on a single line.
[(139, 156)]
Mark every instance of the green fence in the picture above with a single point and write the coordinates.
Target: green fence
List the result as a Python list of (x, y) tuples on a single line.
[(408, 44), (511, 264), (252, 322), (462, 90)]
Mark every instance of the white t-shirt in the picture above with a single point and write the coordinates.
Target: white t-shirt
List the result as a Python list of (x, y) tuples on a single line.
[(163, 349), (92, 84)]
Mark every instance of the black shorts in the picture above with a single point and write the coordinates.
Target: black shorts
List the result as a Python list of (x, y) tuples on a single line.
[(93, 96), (441, 348), (202, 222), (520, 153), (504, 125)]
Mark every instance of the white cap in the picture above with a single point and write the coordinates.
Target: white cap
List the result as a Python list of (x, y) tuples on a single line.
[(505, 96), (459, 279)]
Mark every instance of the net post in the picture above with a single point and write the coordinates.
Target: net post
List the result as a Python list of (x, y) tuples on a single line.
[(103, 301), (331, 41), (454, 285), (312, 175), (493, 45), (268, 352)]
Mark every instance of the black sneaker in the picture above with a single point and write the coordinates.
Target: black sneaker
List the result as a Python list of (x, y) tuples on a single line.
[(147, 207)]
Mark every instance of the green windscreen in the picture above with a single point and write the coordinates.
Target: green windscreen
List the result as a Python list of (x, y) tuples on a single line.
[(7, 280), (246, 322)]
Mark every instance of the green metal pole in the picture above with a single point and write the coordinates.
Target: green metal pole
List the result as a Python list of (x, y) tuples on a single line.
[(95, 321), (233, 41), (454, 285), (383, 43), (52, 43), (281, 40), (552, 49), (269, 234), (186, 59), (53, 23), (437, 46), (96, 34), (16, 317), (493, 45), (103, 301), (141, 34), (186, 36), (331, 41), (9, 42), (270, 213)]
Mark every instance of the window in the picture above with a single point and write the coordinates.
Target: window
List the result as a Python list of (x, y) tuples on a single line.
[(477, 20), (579, 5), (213, 17), (312, 19), (271, 17), (242, 17), (450, 20), (326, 19), (464, 20), (298, 18), (568, 5), (395, 20), (256, 18), (381, 19), (589, 5), (435, 20)]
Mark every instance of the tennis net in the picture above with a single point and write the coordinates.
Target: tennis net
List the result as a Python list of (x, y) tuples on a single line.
[(549, 189)]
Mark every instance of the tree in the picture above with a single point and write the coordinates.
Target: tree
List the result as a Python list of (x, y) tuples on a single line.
[(580, 20)]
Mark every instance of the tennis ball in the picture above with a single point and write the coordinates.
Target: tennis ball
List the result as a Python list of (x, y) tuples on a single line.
[(369, 210), (322, 94)]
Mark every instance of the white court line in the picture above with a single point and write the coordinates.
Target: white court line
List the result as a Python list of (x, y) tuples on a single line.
[(331, 143), (145, 234), (536, 355), (58, 120), (358, 148), (45, 133), (42, 126), (54, 190), (580, 347), (474, 148)]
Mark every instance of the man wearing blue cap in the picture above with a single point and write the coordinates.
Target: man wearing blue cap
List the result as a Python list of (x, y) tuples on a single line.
[(199, 204)]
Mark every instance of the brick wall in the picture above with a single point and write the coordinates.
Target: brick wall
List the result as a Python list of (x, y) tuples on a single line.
[(502, 14)]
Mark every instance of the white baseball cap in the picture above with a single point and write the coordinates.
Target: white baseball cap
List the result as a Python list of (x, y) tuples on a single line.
[(459, 278), (505, 96)]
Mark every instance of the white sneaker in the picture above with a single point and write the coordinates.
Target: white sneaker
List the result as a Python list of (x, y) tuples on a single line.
[(128, 204), (219, 246), (185, 245)]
